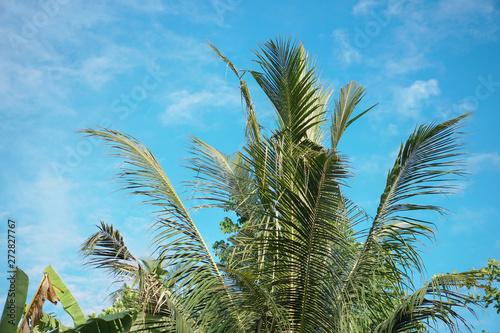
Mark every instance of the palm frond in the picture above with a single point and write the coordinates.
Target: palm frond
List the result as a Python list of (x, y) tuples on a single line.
[(221, 180), (428, 163), (175, 235), (252, 128), (299, 195), (106, 250), (141, 174), (437, 302), (349, 97), (322, 97), (291, 86)]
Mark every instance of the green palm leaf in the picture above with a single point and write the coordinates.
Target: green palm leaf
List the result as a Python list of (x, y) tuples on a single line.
[(436, 302), (175, 234), (427, 164), (253, 127), (291, 84), (106, 250), (350, 96)]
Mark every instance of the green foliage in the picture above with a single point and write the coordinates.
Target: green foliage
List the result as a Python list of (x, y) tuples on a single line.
[(112, 323), (69, 303), (124, 300), (223, 249), (490, 294), (15, 300), (302, 256), (49, 323)]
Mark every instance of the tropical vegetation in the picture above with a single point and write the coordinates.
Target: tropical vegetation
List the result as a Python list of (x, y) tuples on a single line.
[(53, 289), (302, 257)]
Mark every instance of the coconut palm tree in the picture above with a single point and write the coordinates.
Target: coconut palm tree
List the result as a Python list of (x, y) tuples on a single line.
[(306, 258)]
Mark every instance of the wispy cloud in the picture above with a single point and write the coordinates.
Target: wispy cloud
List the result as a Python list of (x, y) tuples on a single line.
[(363, 7), (485, 162), (100, 68), (49, 200), (411, 99), (197, 11), (376, 164), (467, 219), (461, 107), (344, 49), (407, 64), (478, 19), (190, 108), (403, 36)]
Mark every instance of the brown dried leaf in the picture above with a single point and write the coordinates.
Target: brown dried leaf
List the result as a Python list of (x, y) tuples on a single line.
[(34, 313)]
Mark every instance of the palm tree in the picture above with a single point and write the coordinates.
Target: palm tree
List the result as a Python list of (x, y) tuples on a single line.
[(306, 258)]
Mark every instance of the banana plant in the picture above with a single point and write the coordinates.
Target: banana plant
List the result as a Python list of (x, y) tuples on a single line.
[(53, 289)]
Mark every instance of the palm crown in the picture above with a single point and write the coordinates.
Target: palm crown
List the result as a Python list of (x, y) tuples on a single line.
[(305, 258)]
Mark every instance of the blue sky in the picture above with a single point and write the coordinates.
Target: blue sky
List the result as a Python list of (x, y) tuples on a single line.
[(145, 69)]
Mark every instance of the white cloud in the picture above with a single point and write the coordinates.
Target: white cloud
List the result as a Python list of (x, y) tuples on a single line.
[(67, 56), (392, 129), (190, 108), (407, 34), (344, 49), (463, 106), (363, 7), (405, 65), (411, 99), (376, 164), (97, 70), (478, 19), (464, 9), (49, 200), (433, 23), (153, 6), (26, 90), (485, 161), (40, 70), (466, 220), (197, 11)]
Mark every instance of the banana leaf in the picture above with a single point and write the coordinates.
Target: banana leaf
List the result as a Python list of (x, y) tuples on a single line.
[(67, 300), (113, 323), (15, 302)]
